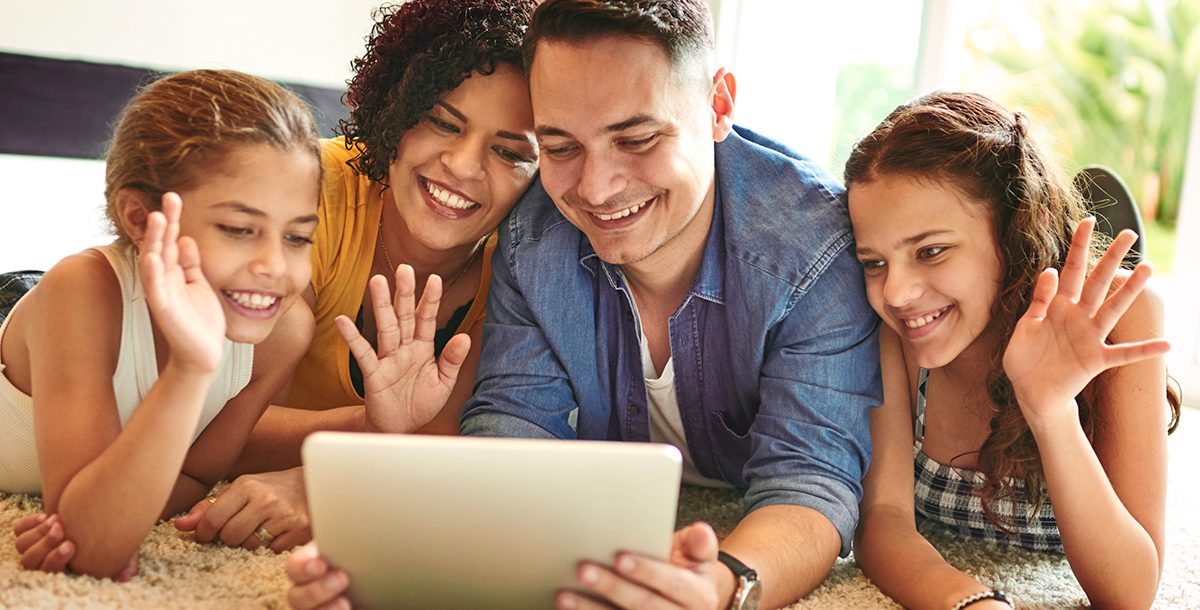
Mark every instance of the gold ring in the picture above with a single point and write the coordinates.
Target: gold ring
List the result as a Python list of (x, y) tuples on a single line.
[(211, 499), (262, 534)]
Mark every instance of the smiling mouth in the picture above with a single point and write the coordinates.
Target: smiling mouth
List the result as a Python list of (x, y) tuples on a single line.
[(447, 197), (619, 214), (920, 321), (252, 300)]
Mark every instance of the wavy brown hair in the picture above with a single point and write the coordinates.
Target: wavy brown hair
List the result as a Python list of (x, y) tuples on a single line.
[(985, 151), (181, 124), (417, 52)]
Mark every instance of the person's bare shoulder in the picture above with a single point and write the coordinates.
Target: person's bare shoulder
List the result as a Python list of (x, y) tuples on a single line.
[(1144, 318), (78, 303)]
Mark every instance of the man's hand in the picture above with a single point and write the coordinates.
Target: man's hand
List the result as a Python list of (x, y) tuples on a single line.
[(691, 578), (315, 584), (273, 502)]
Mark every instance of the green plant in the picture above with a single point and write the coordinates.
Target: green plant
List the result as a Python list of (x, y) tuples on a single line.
[(1115, 80), (1160, 250), (866, 92)]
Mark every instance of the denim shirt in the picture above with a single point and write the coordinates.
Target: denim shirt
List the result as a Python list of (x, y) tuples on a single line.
[(775, 348)]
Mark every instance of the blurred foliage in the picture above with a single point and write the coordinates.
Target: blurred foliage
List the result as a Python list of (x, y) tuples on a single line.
[(866, 93), (1116, 79), (1160, 248)]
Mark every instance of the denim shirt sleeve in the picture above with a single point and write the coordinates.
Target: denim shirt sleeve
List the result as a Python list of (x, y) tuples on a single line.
[(521, 389), (810, 442)]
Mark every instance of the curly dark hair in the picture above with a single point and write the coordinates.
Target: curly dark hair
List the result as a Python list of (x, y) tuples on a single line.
[(418, 51), (987, 151)]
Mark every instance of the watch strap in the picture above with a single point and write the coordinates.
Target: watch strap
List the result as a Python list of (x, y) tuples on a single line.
[(749, 589), (739, 569)]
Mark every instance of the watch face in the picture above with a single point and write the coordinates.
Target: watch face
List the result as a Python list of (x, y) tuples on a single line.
[(753, 595)]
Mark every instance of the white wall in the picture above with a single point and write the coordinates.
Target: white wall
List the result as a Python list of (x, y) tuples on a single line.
[(53, 207), (49, 208), (1183, 295), (304, 41)]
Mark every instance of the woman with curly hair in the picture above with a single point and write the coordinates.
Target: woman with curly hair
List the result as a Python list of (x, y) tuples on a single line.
[(437, 149), (1023, 368)]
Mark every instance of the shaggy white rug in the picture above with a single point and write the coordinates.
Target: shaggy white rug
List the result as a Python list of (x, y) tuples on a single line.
[(179, 573)]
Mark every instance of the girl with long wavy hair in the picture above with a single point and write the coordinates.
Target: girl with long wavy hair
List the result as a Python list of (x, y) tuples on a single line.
[(1025, 392)]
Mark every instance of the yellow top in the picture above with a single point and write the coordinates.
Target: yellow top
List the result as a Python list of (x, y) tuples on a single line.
[(343, 247)]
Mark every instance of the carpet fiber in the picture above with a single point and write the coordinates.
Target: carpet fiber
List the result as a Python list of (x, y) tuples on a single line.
[(179, 573)]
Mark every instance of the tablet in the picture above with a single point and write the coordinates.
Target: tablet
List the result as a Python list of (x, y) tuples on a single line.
[(456, 522)]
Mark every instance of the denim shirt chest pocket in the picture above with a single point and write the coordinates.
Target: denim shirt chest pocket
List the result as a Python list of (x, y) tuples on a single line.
[(700, 356), (716, 419)]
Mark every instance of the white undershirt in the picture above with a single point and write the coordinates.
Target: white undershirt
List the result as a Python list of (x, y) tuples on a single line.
[(666, 425)]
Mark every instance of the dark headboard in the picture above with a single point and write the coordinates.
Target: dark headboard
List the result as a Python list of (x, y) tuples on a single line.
[(66, 108)]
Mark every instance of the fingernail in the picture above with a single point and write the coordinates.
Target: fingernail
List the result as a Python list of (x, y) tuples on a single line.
[(626, 564), (312, 568), (333, 581), (55, 531), (64, 550), (589, 575), (40, 517), (566, 601)]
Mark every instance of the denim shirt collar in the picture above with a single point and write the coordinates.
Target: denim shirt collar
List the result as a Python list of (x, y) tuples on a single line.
[(710, 281)]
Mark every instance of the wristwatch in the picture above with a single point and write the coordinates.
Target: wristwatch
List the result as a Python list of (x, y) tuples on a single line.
[(749, 590)]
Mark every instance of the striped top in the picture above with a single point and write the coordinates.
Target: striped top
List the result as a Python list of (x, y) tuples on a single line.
[(947, 497)]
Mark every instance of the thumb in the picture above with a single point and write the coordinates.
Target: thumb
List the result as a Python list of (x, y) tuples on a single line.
[(453, 356), (694, 545), (189, 521), (701, 543), (129, 571), (1043, 292), (189, 261)]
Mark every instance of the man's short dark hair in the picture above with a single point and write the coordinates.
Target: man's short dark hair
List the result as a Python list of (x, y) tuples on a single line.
[(682, 28)]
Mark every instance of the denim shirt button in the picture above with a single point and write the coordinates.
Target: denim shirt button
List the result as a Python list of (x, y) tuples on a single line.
[(635, 410)]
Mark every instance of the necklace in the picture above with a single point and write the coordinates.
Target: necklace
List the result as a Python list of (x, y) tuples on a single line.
[(457, 276)]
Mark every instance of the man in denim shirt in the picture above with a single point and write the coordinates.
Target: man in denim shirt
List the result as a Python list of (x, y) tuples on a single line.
[(672, 278), (663, 242)]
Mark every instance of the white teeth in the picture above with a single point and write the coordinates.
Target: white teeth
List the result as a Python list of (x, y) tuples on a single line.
[(447, 198), (252, 300), (923, 320), (623, 213)]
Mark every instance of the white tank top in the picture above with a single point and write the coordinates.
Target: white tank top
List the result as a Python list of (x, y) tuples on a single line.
[(137, 370)]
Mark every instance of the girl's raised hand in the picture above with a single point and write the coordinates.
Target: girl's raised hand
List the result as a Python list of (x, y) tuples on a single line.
[(1059, 346), (405, 386), (182, 303)]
